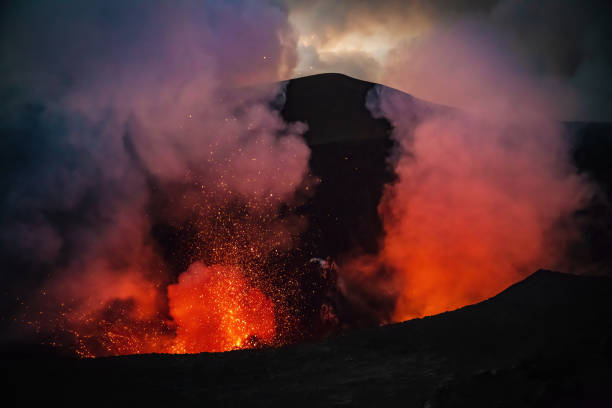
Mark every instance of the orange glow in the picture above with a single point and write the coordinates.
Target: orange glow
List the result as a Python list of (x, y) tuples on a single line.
[(469, 215), (211, 309), (102, 307), (215, 309)]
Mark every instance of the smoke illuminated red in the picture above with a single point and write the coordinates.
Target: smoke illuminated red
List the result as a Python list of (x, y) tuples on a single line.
[(474, 207)]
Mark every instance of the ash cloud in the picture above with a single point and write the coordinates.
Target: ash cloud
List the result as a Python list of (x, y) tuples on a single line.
[(108, 104)]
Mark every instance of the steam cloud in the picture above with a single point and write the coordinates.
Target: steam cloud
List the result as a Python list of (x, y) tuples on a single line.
[(116, 104), (480, 190)]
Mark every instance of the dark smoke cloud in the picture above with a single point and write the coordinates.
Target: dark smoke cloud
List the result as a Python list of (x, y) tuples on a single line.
[(104, 103), (563, 42)]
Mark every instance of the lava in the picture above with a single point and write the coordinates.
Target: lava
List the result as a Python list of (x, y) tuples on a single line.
[(215, 309), (211, 309)]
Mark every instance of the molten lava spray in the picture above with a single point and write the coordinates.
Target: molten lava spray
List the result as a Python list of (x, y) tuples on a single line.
[(215, 309), (210, 309)]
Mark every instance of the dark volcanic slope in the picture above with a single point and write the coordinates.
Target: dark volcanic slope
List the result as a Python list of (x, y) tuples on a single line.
[(334, 107), (349, 156), (546, 341)]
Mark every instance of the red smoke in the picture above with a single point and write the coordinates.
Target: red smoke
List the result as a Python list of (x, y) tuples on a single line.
[(470, 213), (480, 190)]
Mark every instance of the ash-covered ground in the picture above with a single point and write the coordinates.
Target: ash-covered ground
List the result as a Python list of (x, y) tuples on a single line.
[(544, 342)]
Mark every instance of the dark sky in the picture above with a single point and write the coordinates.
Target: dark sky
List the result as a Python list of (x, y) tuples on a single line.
[(563, 46)]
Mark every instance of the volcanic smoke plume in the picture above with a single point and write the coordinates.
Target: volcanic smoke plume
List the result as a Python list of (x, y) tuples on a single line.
[(139, 121), (479, 190)]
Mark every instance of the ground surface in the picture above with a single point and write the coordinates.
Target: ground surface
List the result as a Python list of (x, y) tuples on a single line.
[(546, 341)]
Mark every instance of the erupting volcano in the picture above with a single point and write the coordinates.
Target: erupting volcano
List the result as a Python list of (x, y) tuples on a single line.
[(270, 202), (169, 191), (213, 261)]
